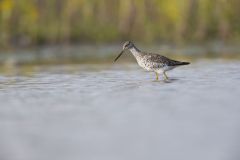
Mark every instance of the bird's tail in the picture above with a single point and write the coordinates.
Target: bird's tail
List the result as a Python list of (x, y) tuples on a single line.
[(184, 63)]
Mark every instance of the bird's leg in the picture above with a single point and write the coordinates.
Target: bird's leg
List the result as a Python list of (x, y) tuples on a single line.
[(165, 76), (156, 75)]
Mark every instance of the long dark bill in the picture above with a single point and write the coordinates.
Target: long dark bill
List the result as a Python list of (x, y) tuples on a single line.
[(119, 56)]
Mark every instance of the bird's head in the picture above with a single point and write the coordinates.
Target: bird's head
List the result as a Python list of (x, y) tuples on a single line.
[(127, 45)]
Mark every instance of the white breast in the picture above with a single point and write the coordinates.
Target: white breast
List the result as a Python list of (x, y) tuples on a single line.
[(143, 63)]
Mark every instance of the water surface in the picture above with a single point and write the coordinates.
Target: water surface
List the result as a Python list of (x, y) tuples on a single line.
[(120, 112)]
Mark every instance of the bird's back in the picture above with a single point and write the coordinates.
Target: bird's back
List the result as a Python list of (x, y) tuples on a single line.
[(156, 58)]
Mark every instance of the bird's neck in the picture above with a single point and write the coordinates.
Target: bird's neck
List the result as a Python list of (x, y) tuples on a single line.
[(135, 51)]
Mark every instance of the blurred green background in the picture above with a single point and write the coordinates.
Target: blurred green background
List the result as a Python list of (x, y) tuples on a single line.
[(37, 23), (33, 22)]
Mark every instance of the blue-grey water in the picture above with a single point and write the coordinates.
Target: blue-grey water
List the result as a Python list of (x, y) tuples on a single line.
[(106, 112)]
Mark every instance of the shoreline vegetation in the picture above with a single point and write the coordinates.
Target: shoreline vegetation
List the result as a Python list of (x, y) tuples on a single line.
[(104, 54), (28, 23)]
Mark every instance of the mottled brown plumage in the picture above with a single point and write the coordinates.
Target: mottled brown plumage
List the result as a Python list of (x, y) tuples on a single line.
[(163, 60)]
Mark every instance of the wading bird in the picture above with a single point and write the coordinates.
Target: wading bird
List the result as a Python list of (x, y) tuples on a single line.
[(150, 61)]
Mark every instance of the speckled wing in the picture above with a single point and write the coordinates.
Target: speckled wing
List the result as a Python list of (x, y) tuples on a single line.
[(162, 60)]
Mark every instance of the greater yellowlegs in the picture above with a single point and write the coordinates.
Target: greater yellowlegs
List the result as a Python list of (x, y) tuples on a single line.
[(150, 61)]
